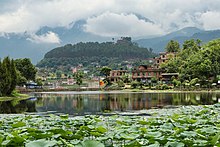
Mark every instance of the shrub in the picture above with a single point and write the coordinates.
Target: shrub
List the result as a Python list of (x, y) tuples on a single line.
[(135, 84)]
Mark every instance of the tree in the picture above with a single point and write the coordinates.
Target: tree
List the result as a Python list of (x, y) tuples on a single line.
[(78, 77), (105, 71), (26, 68), (173, 46), (13, 74), (21, 81), (59, 74), (192, 44), (196, 62), (8, 77), (39, 82), (126, 79)]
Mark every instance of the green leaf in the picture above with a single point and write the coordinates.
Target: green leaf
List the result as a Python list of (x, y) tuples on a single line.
[(174, 144), (41, 143), (90, 143), (154, 134), (6, 142), (154, 145), (129, 136), (18, 124), (143, 122), (101, 129), (217, 105), (216, 138), (188, 134), (64, 116), (133, 144)]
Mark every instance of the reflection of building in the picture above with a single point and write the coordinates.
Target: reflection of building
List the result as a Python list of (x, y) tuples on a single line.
[(116, 75)]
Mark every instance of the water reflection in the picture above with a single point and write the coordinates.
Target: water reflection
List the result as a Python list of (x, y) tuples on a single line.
[(80, 104), (16, 106)]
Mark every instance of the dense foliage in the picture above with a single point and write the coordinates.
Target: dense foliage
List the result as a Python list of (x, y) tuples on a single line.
[(26, 68), (13, 73), (102, 54), (184, 126), (78, 77), (173, 46), (196, 62), (8, 76)]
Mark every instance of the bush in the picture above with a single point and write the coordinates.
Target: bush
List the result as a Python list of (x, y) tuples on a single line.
[(121, 83), (135, 84), (164, 86)]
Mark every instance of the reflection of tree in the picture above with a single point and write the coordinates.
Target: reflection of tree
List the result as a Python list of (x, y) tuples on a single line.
[(16, 106)]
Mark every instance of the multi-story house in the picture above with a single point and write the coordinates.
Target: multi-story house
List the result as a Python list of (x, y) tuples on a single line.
[(116, 75), (163, 57), (145, 73)]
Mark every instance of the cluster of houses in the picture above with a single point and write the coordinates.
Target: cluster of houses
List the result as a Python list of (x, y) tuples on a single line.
[(144, 73)]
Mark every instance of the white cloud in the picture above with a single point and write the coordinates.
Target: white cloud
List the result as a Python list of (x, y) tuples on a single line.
[(49, 37), (112, 24), (211, 20), (168, 15)]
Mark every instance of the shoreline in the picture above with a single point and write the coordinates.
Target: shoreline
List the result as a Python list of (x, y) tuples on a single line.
[(17, 97), (123, 91)]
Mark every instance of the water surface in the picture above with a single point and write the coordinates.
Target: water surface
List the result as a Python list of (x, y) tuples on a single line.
[(81, 103)]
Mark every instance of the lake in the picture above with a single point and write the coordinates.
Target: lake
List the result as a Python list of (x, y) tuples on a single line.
[(82, 103)]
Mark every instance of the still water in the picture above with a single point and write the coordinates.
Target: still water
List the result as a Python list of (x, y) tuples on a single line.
[(81, 103)]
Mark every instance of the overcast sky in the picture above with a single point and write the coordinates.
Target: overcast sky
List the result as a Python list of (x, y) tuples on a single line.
[(110, 17)]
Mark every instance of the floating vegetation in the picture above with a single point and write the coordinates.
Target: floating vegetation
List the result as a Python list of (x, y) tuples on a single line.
[(184, 126)]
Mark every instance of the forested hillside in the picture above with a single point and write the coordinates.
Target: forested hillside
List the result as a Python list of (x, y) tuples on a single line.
[(102, 54)]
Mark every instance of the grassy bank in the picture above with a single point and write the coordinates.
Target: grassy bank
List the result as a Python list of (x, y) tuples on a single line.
[(14, 96), (185, 126)]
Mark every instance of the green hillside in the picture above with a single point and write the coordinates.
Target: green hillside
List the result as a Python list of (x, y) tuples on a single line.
[(94, 53)]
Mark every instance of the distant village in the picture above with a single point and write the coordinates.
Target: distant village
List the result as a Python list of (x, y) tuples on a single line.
[(141, 73)]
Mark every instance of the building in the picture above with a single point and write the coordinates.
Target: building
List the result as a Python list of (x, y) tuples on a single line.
[(167, 77), (163, 57), (145, 73), (116, 75)]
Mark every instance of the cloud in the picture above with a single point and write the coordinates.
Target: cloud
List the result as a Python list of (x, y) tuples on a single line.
[(210, 20), (49, 37), (167, 15), (112, 24)]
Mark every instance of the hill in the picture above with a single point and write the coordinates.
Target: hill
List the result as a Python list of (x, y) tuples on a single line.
[(97, 54)]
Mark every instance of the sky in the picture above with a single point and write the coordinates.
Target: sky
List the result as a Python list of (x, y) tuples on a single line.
[(109, 17)]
